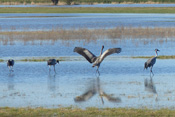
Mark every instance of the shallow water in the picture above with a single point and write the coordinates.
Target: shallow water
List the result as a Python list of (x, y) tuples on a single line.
[(43, 21), (123, 79), (133, 47)]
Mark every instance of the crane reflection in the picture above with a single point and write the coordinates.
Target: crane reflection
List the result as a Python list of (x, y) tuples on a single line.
[(150, 86), (96, 89)]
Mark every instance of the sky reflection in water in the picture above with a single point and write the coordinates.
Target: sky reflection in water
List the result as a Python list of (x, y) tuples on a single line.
[(123, 79)]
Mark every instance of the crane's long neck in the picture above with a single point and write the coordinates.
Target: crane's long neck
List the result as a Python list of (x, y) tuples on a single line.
[(156, 54)]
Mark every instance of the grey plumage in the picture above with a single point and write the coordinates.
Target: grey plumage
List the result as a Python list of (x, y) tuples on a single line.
[(150, 62), (52, 62), (10, 64), (92, 58)]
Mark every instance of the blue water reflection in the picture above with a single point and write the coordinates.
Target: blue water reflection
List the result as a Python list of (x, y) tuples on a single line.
[(121, 80), (132, 47)]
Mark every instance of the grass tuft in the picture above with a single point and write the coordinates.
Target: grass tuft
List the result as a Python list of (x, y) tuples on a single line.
[(6, 111)]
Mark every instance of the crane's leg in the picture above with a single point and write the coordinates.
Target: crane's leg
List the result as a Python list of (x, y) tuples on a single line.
[(151, 71), (9, 69), (12, 69), (54, 68), (49, 68)]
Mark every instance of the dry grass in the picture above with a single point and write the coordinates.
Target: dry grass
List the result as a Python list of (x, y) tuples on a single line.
[(89, 35)]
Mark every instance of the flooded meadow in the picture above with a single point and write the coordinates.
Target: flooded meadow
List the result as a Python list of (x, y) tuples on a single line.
[(45, 21), (123, 82)]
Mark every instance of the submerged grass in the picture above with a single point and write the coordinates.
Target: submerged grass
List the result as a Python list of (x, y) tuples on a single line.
[(79, 58), (87, 10), (159, 57), (69, 111)]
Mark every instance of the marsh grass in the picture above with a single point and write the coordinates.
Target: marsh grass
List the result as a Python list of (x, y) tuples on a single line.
[(78, 58), (88, 35), (88, 10), (70, 111), (159, 57)]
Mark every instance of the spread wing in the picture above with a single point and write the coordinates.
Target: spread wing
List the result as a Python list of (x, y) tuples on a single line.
[(86, 53), (109, 52)]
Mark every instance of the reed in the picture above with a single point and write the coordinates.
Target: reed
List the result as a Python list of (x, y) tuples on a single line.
[(88, 35)]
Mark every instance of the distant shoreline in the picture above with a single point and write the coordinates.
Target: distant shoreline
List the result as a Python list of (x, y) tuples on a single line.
[(83, 3)]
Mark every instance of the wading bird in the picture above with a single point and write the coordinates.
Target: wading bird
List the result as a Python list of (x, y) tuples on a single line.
[(52, 62), (10, 64), (92, 58), (150, 62)]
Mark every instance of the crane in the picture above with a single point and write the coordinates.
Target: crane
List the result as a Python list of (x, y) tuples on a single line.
[(150, 62), (10, 64), (53, 62), (92, 58)]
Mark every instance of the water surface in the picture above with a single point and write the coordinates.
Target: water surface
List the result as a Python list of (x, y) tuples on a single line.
[(133, 47), (43, 21), (31, 84)]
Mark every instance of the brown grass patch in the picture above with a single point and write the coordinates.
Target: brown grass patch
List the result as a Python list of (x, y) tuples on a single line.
[(89, 35)]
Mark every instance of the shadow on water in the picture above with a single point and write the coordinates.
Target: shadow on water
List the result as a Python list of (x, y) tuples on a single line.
[(11, 84), (150, 86), (95, 88)]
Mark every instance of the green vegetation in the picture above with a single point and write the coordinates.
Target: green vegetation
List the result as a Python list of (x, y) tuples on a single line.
[(90, 112), (79, 58), (90, 1), (40, 59), (87, 10), (159, 57), (1, 60), (123, 1)]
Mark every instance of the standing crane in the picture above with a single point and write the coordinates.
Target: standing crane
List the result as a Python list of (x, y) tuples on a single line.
[(92, 58), (150, 62), (10, 64), (53, 62)]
